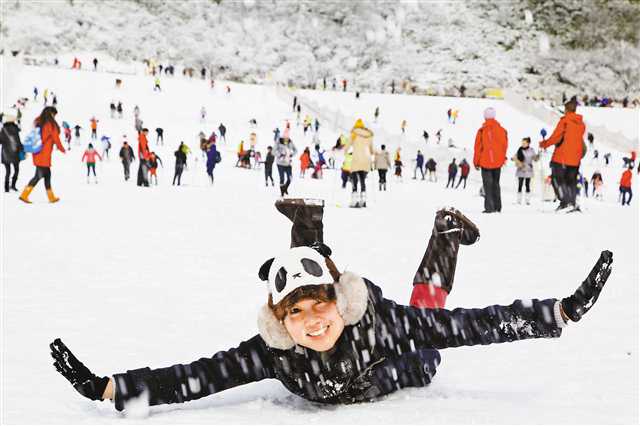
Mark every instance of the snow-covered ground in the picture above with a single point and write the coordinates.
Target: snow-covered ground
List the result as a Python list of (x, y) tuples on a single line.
[(132, 277)]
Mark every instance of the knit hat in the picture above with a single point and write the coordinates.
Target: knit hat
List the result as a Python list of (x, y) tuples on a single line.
[(359, 124), (489, 113), (303, 266)]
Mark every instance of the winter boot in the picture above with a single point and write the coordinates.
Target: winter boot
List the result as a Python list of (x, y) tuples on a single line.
[(380, 187), (527, 198), (363, 199), (25, 194), (52, 198), (282, 190), (385, 186), (306, 215), (433, 280), (519, 200), (578, 304), (355, 200)]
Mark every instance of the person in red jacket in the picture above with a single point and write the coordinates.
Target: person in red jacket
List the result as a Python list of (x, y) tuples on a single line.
[(90, 155), (50, 134), (568, 152), (489, 154), (143, 157), (625, 186), (464, 173)]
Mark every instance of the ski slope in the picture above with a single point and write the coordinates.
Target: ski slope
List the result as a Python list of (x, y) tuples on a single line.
[(131, 277)]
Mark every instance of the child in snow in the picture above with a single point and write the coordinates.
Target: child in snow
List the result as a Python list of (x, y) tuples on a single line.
[(90, 155), (596, 185), (331, 337), (154, 159), (305, 161), (397, 162), (94, 128), (106, 146)]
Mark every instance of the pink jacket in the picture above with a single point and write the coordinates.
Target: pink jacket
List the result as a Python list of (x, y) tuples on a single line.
[(90, 155)]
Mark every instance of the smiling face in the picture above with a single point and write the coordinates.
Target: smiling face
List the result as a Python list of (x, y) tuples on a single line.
[(314, 324)]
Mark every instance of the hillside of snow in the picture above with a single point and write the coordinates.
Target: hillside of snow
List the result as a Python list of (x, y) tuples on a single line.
[(541, 47), (131, 277)]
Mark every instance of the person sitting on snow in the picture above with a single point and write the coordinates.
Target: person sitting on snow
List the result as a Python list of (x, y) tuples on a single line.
[(332, 337)]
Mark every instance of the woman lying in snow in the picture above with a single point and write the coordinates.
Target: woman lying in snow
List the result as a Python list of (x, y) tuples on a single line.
[(332, 337)]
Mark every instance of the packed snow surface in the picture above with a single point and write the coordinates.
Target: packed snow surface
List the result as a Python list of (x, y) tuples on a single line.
[(131, 277)]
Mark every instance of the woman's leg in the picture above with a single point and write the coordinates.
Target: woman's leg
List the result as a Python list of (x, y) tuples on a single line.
[(434, 278), (527, 184), (7, 170), (354, 181), (14, 179), (520, 182), (36, 178), (46, 174), (362, 175)]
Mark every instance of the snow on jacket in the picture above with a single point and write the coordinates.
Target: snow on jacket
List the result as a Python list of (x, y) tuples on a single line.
[(90, 155), (490, 148), (392, 346), (568, 140), (285, 152), (50, 136), (525, 158), (11, 145), (361, 142), (382, 161), (625, 180)]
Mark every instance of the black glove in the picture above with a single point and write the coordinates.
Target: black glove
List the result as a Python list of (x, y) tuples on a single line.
[(86, 383), (582, 300)]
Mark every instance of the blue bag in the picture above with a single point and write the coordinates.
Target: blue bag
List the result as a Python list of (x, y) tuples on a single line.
[(33, 142)]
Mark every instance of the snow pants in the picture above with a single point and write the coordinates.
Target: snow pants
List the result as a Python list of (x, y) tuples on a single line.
[(564, 180), (623, 194), (127, 172), (491, 185)]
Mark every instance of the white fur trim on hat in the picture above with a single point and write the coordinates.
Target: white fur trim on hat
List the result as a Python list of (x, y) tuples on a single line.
[(272, 331), (489, 113), (352, 297)]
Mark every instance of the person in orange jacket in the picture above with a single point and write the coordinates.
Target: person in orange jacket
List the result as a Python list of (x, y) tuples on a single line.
[(143, 157), (305, 161), (154, 159), (489, 154), (94, 128), (90, 155), (569, 150), (625, 186), (50, 135)]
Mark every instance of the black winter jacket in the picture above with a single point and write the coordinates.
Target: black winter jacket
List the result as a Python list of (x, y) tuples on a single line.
[(392, 347), (11, 145)]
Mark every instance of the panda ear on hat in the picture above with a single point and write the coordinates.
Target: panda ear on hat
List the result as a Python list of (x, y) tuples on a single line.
[(263, 272)]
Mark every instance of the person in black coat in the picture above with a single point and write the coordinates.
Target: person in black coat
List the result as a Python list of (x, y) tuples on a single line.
[(452, 171), (333, 338), (11, 150), (181, 161), (268, 166)]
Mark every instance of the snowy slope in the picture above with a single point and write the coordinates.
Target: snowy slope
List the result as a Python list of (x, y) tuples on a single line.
[(131, 277), (436, 46)]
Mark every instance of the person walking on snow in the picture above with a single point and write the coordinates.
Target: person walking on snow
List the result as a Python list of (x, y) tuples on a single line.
[(625, 186), (127, 157), (305, 161), (94, 128), (382, 163), (143, 158), (154, 159), (489, 155), (156, 86), (464, 173), (203, 114), (311, 328), (12, 150), (223, 132), (50, 135), (268, 167), (213, 157), (431, 170), (453, 172), (524, 159), (285, 150), (106, 146), (159, 136), (419, 165), (567, 155), (90, 155), (181, 160), (361, 145)]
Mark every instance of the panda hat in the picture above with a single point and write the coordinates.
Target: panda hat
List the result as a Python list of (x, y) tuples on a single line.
[(303, 266)]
